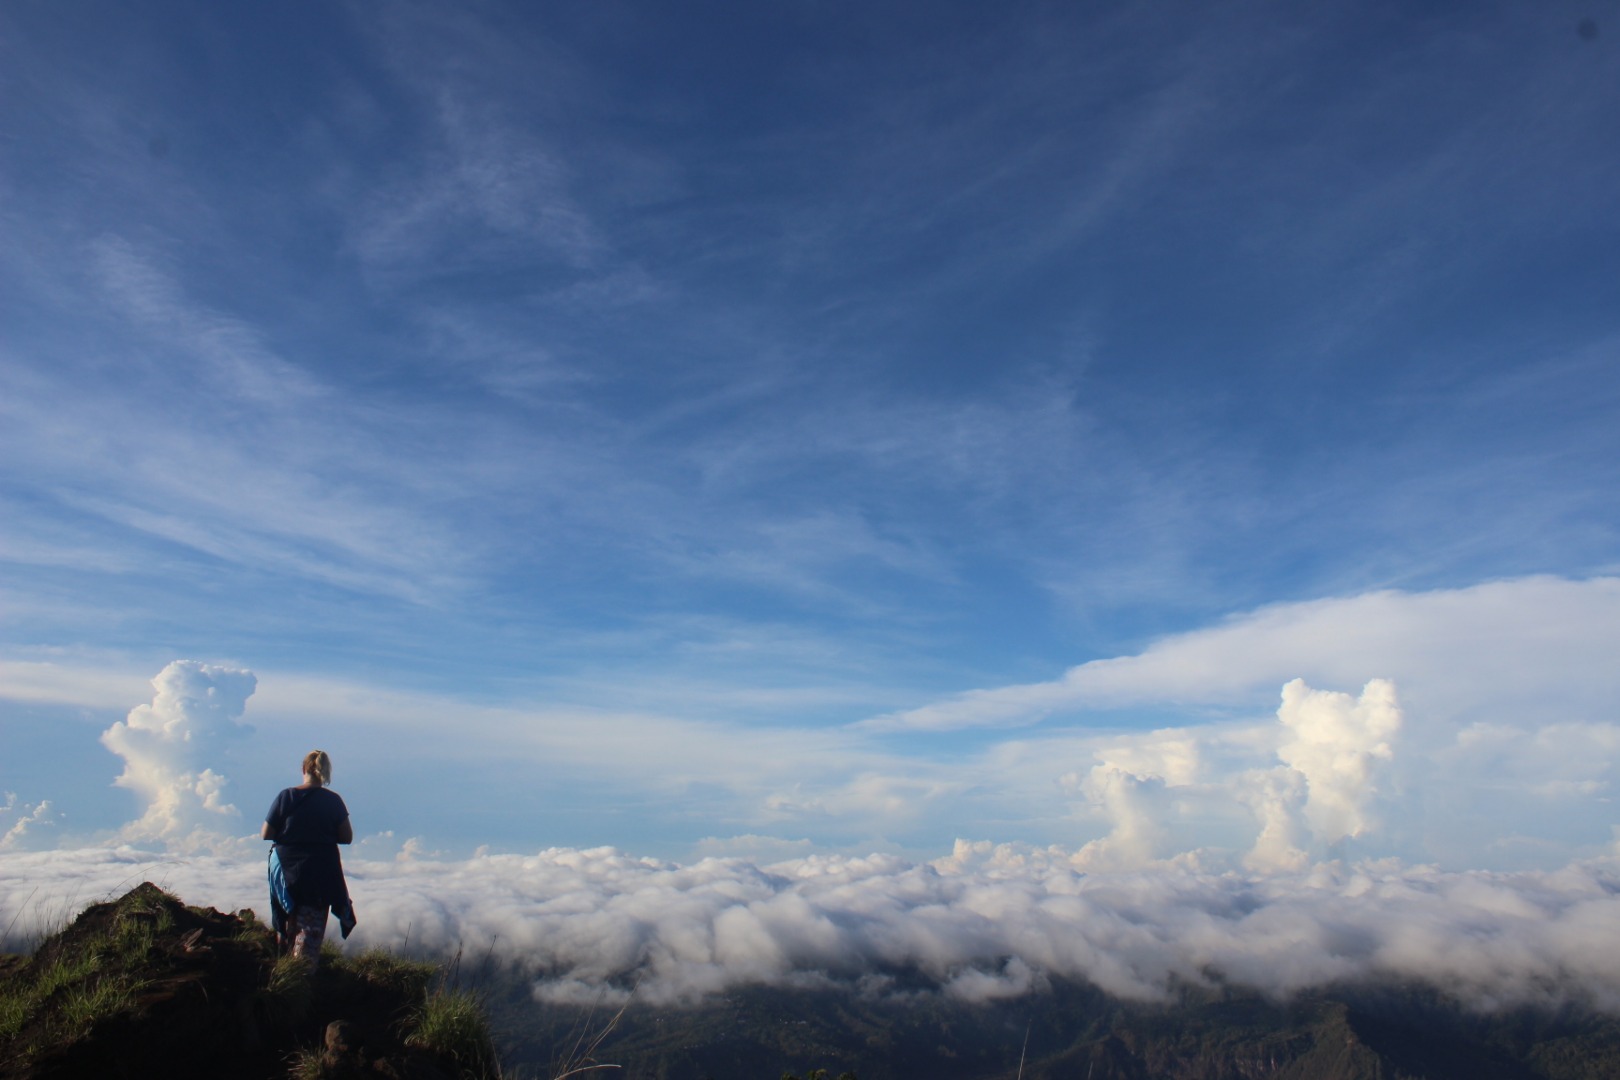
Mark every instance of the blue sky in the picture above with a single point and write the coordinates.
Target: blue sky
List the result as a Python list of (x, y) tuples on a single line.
[(799, 427)]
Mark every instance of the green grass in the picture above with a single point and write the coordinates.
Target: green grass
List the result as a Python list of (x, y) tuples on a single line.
[(65, 970), (150, 902), (72, 995), (81, 980), (449, 1023), (86, 1004), (286, 998), (259, 937), (383, 969), (452, 1023), (305, 1065), (132, 938), (20, 1003), (14, 1012)]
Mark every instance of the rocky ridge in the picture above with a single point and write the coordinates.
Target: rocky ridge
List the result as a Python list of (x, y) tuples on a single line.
[(146, 986)]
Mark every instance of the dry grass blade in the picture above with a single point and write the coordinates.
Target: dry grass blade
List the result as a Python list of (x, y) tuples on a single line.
[(584, 1069), (581, 1056)]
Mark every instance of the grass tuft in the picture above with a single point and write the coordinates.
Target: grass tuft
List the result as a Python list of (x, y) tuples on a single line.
[(383, 969), (65, 970), (73, 993), (87, 1004), (147, 900), (286, 997), (452, 1024), (132, 938), (305, 1064), (15, 1009)]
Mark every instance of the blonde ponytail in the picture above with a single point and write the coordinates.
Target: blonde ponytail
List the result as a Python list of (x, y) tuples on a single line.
[(318, 767)]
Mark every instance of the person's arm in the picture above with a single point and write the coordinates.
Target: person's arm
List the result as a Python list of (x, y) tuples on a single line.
[(274, 820), (345, 832)]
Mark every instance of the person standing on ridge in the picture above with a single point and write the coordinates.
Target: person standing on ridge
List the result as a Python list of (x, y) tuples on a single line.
[(307, 823)]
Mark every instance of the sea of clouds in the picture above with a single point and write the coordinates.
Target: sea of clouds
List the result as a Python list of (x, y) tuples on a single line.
[(1292, 908), (985, 922)]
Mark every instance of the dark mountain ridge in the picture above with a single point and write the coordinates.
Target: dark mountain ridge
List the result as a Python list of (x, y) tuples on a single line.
[(145, 986)]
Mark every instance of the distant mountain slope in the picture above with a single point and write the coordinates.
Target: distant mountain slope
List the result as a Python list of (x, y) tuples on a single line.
[(1074, 1032)]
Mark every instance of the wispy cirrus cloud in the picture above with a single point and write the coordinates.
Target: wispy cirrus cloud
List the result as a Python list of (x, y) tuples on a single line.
[(172, 443), (489, 193), (483, 186), (239, 368)]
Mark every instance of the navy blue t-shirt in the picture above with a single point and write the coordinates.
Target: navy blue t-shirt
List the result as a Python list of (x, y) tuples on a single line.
[(307, 816)]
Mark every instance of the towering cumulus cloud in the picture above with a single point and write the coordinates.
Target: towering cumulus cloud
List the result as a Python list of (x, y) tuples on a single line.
[(1332, 751), (169, 746), (1311, 781), (1336, 743)]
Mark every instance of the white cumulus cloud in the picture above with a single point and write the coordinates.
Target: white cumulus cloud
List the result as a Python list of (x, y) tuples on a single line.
[(170, 745), (1336, 743)]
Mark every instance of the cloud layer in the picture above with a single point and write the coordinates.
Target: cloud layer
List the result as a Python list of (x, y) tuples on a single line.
[(1295, 898), (988, 921), (1537, 644)]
